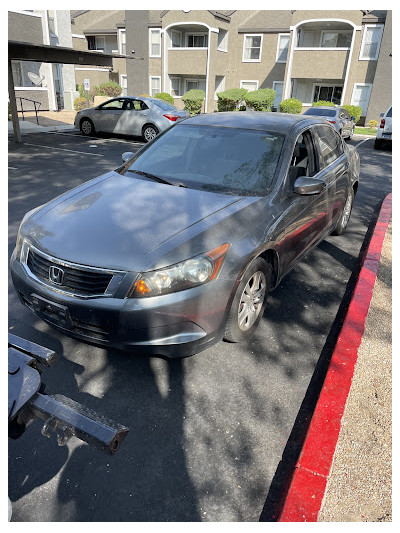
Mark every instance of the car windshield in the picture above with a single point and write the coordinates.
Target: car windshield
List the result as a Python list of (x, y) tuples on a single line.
[(318, 112), (234, 161), (164, 105)]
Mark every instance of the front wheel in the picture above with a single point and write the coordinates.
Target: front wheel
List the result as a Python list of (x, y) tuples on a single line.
[(378, 144), (149, 132), (249, 302), (87, 126), (345, 216)]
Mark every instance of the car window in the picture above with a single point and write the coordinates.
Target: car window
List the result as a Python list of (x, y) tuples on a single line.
[(346, 115), (329, 143), (227, 160), (318, 112), (303, 158), (135, 105), (164, 105), (389, 113), (113, 104)]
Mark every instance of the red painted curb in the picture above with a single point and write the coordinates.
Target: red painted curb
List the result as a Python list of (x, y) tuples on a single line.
[(308, 484)]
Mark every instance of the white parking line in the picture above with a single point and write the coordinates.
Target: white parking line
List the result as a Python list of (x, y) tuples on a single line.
[(365, 140), (12, 168), (63, 149), (97, 138)]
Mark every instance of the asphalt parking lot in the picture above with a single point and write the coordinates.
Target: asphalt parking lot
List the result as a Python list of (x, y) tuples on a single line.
[(207, 432)]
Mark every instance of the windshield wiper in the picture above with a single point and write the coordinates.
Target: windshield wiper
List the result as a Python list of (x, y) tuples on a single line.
[(151, 176)]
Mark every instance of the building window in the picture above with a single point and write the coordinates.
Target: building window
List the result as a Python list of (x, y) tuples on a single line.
[(371, 41), (219, 85), (278, 88), (283, 47), (155, 43), (96, 43), (197, 40), (155, 85), (361, 95), (336, 39), (252, 48), (176, 37), (250, 85), (17, 73), (175, 87), (328, 93), (124, 84), (222, 40), (122, 41), (191, 84)]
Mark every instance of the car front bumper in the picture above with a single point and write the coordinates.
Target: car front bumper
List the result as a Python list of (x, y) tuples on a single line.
[(174, 325)]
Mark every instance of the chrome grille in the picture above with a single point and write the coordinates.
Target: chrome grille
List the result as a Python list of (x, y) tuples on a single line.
[(76, 280)]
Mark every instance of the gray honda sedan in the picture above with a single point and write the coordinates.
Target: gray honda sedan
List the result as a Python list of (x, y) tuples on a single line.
[(129, 115), (178, 247)]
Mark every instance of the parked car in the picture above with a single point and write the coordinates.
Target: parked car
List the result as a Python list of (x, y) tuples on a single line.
[(178, 247), (338, 116), (129, 115), (384, 131)]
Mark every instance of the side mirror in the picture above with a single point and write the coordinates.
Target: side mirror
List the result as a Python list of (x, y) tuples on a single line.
[(126, 156), (382, 115), (307, 186)]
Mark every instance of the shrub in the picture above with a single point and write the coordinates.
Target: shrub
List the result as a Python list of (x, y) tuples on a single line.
[(228, 100), (110, 88), (92, 93), (324, 103), (260, 100), (80, 103), (193, 101), (373, 124), (146, 95), (353, 111), (291, 105), (165, 96)]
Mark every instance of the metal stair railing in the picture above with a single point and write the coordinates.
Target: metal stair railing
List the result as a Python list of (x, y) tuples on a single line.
[(34, 103)]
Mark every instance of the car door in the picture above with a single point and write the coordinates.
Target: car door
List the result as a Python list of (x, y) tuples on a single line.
[(107, 115), (305, 216), (133, 118), (334, 168)]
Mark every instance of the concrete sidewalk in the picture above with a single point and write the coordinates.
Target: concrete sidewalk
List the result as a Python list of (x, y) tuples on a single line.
[(359, 487)]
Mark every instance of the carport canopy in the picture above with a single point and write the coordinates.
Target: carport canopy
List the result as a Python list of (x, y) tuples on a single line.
[(44, 53)]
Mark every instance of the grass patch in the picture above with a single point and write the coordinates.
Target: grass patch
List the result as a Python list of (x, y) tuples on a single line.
[(365, 131)]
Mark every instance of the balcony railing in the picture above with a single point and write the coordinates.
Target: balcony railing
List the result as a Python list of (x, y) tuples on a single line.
[(319, 63), (182, 61)]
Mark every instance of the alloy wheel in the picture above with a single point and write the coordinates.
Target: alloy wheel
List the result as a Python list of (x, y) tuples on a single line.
[(251, 300)]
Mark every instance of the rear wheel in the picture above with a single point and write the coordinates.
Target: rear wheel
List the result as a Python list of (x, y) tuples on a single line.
[(378, 144), (87, 127), (249, 302), (345, 216), (149, 132)]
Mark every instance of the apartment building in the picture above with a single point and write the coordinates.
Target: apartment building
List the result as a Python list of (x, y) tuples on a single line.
[(340, 56), (50, 84), (103, 31)]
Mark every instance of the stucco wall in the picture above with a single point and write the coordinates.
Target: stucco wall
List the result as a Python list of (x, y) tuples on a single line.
[(25, 28)]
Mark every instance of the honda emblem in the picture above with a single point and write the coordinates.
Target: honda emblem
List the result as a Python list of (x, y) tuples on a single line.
[(56, 275)]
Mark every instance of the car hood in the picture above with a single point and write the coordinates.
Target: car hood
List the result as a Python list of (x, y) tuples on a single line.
[(116, 221)]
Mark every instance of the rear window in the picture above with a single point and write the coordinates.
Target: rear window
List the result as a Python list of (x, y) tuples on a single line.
[(389, 113), (318, 112), (164, 105)]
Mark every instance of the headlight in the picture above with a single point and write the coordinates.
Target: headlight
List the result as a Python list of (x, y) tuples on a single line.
[(190, 273), (18, 244)]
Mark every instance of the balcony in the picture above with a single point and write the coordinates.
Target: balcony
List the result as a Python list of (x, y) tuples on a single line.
[(187, 61), (321, 63)]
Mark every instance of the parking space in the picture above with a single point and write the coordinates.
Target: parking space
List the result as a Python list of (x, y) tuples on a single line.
[(207, 432)]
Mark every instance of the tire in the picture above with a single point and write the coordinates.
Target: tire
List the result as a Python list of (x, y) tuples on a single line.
[(351, 134), (87, 126), (345, 216), (243, 318), (378, 144), (149, 132)]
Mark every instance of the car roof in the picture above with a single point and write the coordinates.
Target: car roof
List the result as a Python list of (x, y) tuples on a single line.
[(257, 120)]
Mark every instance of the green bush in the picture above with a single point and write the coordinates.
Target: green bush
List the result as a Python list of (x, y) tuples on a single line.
[(193, 101), (373, 123), (324, 103), (260, 100), (228, 100), (165, 96), (146, 95), (92, 93), (80, 103), (291, 105), (353, 111), (110, 88)]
